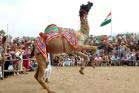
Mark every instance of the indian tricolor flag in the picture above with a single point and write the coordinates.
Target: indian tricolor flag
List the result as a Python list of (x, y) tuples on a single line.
[(107, 20)]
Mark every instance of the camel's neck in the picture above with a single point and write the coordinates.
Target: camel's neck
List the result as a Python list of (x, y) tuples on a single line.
[(84, 25)]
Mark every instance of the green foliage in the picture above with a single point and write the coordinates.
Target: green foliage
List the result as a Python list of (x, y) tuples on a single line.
[(32, 38), (2, 32)]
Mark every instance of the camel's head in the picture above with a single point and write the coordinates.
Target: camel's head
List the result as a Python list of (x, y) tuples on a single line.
[(84, 9)]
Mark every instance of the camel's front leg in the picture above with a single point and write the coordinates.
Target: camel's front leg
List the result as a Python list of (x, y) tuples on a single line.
[(40, 72)]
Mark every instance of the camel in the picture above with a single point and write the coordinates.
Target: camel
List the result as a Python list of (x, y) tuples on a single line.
[(62, 40)]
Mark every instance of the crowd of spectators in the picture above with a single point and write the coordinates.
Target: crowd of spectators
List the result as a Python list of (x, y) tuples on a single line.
[(16, 56), (122, 49)]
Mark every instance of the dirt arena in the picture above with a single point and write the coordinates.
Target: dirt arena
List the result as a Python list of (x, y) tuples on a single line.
[(68, 80)]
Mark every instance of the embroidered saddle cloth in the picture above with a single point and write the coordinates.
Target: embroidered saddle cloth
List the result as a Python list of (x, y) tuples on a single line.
[(41, 46), (53, 31)]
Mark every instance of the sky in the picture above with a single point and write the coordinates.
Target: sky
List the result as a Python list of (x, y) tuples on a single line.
[(29, 17)]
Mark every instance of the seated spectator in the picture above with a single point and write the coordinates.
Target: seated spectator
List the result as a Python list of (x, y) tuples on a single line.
[(125, 59), (31, 64), (67, 61), (34, 64), (61, 61), (98, 59), (115, 60), (106, 59), (72, 60), (56, 60)]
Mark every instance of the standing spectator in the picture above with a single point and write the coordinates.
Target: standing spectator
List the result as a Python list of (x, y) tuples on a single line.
[(26, 59), (15, 61), (19, 56)]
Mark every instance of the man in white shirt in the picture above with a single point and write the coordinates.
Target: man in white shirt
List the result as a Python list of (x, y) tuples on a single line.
[(48, 70)]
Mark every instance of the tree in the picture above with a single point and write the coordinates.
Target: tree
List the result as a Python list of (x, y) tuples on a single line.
[(2, 32)]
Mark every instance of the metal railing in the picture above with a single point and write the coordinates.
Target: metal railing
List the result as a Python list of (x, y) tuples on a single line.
[(3, 70)]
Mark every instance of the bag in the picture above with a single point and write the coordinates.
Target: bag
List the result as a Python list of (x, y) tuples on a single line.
[(10, 68)]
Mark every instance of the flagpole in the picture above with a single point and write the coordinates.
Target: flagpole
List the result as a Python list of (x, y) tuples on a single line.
[(6, 39), (7, 30), (7, 35), (111, 23)]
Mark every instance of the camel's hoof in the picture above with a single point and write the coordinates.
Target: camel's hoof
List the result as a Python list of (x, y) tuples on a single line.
[(51, 92), (46, 80), (93, 67), (81, 72)]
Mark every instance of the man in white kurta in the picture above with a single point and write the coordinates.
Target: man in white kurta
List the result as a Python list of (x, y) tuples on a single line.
[(48, 70)]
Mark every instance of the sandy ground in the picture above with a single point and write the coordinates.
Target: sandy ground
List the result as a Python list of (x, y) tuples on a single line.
[(68, 80)]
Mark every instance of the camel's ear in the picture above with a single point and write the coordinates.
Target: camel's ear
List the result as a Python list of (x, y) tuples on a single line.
[(3, 39)]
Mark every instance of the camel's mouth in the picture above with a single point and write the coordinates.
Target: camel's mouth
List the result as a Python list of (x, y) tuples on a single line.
[(84, 9)]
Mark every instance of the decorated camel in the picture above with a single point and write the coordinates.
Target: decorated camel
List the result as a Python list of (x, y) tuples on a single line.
[(62, 40)]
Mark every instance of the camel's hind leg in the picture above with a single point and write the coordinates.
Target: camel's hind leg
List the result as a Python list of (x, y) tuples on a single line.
[(92, 48), (84, 62), (40, 73), (85, 56)]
